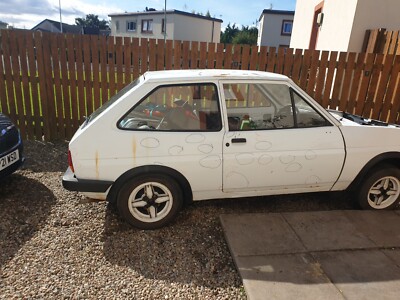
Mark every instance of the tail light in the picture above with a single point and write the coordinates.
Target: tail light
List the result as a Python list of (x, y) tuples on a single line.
[(71, 165)]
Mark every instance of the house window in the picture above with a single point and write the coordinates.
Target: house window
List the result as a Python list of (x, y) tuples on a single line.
[(287, 26), (131, 26), (147, 26), (117, 25), (163, 26)]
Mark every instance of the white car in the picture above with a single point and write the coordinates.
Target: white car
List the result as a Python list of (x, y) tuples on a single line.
[(172, 137)]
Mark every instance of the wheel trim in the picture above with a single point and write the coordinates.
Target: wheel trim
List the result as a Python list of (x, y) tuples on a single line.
[(384, 192), (150, 202)]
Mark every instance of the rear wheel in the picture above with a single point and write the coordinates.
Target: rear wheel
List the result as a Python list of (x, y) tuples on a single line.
[(381, 189), (150, 201)]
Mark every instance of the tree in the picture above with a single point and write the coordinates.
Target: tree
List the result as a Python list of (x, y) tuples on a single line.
[(233, 35), (92, 20), (246, 36), (229, 33)]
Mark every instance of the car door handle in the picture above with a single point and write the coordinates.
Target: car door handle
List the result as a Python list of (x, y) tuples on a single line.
[(238, 140)]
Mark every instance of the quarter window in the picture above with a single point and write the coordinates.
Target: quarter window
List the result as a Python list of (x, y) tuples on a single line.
[(176, 108), (268, 106), (147, 26)]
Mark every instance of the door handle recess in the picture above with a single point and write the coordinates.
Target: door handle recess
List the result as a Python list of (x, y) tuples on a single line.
[(238, 140)]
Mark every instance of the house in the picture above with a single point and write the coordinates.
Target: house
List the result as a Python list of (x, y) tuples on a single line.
[(340, 25), (180, 25), (275, 28), (3, 25), (54, 26)]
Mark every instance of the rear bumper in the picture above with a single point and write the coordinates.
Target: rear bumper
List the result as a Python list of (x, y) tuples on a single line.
[(71, 183)]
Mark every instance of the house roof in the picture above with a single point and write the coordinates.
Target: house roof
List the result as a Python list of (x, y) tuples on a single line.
[(66, 27), (161, 12), (276, 12)]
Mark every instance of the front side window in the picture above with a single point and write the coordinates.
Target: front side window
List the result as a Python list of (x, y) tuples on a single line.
[(147, 26), (258, 106), (193, 107), (131, 26)]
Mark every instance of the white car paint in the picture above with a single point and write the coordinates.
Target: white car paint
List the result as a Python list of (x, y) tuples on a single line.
[(270, 162)]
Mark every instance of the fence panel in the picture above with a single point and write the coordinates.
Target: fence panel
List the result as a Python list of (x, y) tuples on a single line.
[(49, 82), (16, 72), (382, 41)]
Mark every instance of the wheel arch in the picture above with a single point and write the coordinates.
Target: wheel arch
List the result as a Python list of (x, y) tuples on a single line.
[(156, 169), (388, 158)]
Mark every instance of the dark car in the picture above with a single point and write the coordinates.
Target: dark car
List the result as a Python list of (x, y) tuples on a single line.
[(11, 148)]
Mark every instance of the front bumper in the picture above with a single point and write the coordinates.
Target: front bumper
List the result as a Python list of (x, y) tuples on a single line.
[(12, 168), (71, 183)]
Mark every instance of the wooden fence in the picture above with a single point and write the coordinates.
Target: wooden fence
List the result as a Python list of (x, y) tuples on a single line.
[(382, 41), (48, 82)]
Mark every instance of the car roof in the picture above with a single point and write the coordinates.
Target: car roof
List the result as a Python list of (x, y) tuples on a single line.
[(210, 74)]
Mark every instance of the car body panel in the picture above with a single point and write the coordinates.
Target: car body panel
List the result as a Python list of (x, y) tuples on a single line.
[(364, 143), (268, 157)]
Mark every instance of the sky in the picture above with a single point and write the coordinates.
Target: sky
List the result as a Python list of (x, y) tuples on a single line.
[(27, 13)]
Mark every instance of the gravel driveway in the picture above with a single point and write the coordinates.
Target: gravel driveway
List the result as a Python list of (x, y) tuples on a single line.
[(56, 244)]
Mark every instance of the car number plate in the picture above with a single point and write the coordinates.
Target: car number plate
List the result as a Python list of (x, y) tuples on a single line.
[(9, 159)]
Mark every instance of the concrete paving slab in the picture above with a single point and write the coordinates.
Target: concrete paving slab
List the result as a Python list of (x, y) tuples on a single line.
[(316, 255), (378, 226), (290, 276), (394, 255), (361, 274), (259, 234), (327, 230)]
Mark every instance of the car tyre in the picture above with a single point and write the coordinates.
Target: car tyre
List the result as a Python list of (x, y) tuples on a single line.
[(381, 189), (149, 201)]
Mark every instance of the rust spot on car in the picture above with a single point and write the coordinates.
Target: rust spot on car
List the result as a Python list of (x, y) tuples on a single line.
[(97, 164), (134, 150)]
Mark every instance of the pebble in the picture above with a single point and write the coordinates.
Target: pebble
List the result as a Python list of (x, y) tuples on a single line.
[(53, 246)]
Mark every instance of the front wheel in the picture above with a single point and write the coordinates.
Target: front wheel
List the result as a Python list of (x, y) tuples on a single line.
[(150, 201), (381, 189)]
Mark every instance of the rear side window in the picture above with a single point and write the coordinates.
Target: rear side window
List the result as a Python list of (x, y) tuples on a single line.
[(189, 107)]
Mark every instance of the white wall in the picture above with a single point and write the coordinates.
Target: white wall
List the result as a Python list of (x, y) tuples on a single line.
[(335, 32), (270, 30), (373, 14), (179, 27), (344, 24), (302, 24), (157, 23), (196, 29)]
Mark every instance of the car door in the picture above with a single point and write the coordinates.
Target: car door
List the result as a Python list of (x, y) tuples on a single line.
[(276, 142), (177, 126)]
